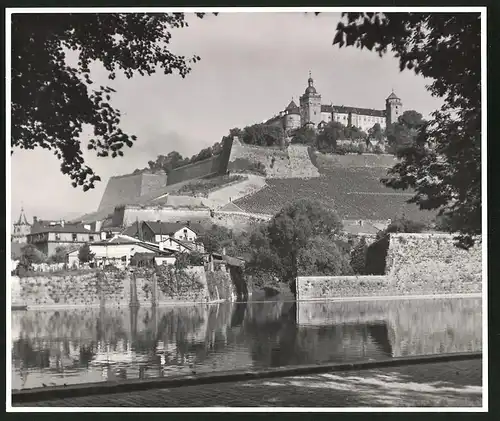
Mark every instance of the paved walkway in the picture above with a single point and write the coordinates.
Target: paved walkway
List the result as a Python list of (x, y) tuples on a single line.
[(439, 384)]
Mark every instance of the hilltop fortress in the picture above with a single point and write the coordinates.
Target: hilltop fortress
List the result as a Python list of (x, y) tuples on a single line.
[(314, 114), (246, 183)]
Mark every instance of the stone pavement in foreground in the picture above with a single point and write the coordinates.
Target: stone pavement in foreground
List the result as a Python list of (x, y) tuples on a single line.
[(438, 384)]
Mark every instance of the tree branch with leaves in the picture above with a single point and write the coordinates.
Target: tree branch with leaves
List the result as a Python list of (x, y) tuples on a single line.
[(53, 100), (443, 164)]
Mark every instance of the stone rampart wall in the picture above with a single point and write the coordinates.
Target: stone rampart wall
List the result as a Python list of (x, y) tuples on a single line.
[(128, 188), (238, 221), (417, 264), (424, 263), (355, 160), (197, 170), (317, 287), (164, 214), (293, 162)]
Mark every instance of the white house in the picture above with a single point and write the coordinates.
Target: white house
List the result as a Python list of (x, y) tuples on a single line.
[(156, 231), (118, 251)]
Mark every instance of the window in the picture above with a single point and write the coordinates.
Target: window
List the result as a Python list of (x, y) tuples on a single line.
[(91, 237), (74, 236), (58, 237)]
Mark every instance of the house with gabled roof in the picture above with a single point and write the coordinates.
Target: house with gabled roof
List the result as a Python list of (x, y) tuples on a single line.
[(120, 249), (47, 238), (156, 231)]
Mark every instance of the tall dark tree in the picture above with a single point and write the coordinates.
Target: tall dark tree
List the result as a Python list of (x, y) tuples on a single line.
[(403, 133), (292, 229), (263, 135), (329, 134), (376, 132), (53, 99), (304, 135), (443, 165)]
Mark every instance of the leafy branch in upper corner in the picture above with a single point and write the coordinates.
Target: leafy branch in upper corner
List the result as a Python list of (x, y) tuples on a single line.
[(443, 164), (52, 100)]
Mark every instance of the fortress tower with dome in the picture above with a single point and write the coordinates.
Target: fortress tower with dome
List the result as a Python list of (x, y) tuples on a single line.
[(311, 112)]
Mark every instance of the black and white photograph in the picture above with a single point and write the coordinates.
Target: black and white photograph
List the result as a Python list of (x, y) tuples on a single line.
[(246, 209)]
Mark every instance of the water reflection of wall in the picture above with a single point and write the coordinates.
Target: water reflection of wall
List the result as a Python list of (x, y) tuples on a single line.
[(124, 343), (74, 339), (413, 326)]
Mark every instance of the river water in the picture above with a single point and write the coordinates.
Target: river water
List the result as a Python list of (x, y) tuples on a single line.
[(56, 347)]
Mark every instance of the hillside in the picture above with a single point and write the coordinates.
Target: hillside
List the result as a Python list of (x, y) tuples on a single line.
[(354, 192)]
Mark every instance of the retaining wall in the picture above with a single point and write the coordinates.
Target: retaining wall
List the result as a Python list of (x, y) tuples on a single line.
[(355, 160), (130, 214), (293, 162), (128, 188), (84, 290), (416, 264), (238, 221), (199, 169)]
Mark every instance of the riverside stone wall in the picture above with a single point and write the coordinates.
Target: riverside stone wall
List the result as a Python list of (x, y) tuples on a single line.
[(431, 263), (84, 289), (111, 289), (416, 264)]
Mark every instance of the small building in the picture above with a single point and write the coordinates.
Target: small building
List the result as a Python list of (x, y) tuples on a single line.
[(157, 231), (48, 237), (181, 246)]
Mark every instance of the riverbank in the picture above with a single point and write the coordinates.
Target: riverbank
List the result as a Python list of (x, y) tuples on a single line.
[(432, 381)]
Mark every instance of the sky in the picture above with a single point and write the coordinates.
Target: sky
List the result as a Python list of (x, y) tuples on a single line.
[(252, 65)]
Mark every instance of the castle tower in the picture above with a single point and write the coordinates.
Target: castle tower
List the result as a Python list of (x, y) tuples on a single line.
[(292, 117), (393, 109), (310, 105), (21, 229)]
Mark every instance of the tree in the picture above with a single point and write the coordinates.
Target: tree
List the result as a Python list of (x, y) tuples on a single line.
[(354, 133), (402, 134), (30, 255), (263, 135), (443, 165), (304, 136), (328, 136), (321, 256), (53, 99), (85, 255), (358, 257), (59, 256), (279, 245), (376, 132), (215, 239)]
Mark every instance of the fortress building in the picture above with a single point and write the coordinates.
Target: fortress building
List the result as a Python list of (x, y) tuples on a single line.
[(314, 114)]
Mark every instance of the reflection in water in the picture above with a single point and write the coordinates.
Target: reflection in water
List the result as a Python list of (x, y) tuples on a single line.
[(92, 345)]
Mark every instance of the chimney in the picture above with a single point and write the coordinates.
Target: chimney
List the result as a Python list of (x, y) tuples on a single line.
[(62, 223), (35, 220), (188, 223)]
